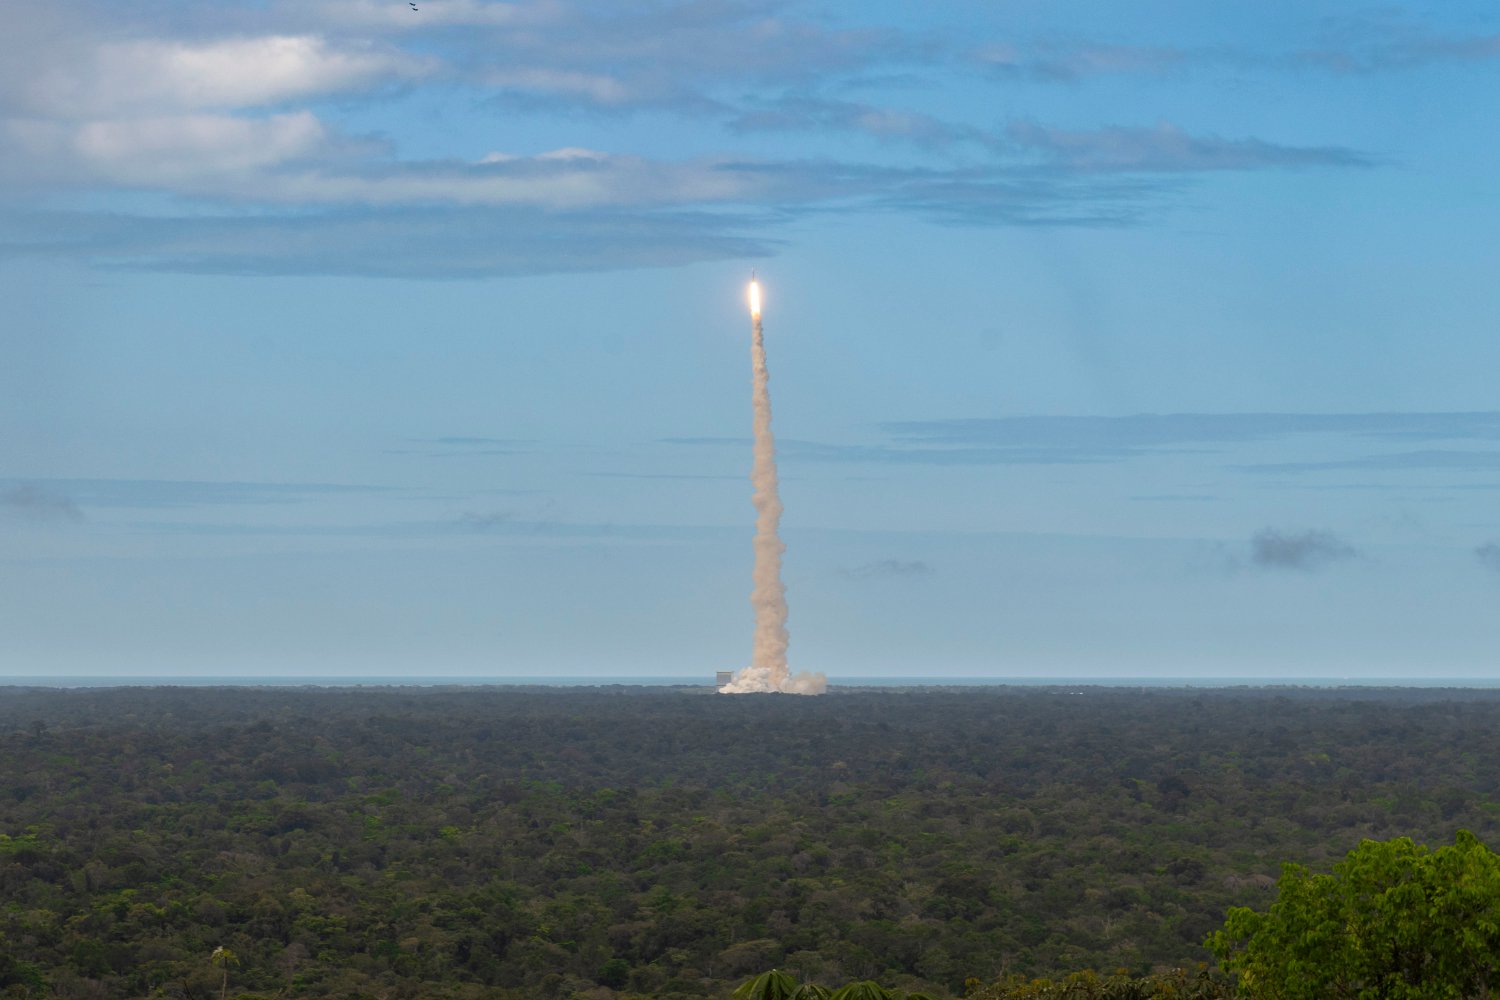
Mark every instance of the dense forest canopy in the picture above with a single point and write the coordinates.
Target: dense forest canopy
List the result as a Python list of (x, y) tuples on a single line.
[(527, 842)]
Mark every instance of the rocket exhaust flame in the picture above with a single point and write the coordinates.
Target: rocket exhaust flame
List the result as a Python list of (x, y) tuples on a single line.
[(767, 671)]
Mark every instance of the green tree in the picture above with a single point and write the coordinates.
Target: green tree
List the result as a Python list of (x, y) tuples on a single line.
[(812, 991), (863, 990), (773, 985), (1176, 984), (1393, 922), (614, 973), (778, 985)]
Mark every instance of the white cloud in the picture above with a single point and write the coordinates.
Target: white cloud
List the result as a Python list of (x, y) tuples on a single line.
[(682, 56), (165, 151), (814, 114), (560, 179), (157, 76), (213, 106), (594, 88), (1056, 62)]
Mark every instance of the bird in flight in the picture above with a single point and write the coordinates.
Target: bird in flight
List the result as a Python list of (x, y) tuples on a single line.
[(411, 5)]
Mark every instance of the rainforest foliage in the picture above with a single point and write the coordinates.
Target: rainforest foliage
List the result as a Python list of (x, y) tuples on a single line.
[(1176, 984), (510, 843), (1393, 922)]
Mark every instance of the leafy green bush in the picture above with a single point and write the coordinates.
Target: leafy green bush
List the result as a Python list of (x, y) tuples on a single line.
[(778, 985), (1177, 984), (1393, 922)]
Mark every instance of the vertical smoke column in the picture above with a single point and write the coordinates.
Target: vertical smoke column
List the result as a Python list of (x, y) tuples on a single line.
[(767, 671), (768, 657)]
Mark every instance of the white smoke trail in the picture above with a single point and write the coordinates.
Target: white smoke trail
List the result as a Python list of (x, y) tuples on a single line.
[(767, 670)]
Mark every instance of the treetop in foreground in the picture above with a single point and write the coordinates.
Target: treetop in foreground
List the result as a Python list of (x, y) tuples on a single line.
[(779, 985), (1394, 921), (1176, 984)]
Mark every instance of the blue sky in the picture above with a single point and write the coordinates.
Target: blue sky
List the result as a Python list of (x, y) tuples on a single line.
[(1105, 340)]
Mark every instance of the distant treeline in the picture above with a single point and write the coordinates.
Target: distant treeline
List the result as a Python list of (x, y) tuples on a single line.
[(529, 842)]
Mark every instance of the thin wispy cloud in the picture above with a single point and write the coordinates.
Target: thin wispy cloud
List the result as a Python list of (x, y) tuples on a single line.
[(1488, 555), (489, 526), (805, 113), (1176, 498), (479, 442), (1163, 148), (1406, 461), (1063, 440), (1272, 548), (529, 516), (1392, 41), (531, 217), (1166, 148), (31, 502), (388, 18), (1033, 197), (457, 447), (1059, 62), (1098, 438), (605, 59), (669, 476), (689, 57), (797, 450), (1383, 42), (385, 242), (485, 520), (294, 159), (67, 495), (885, 569)]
